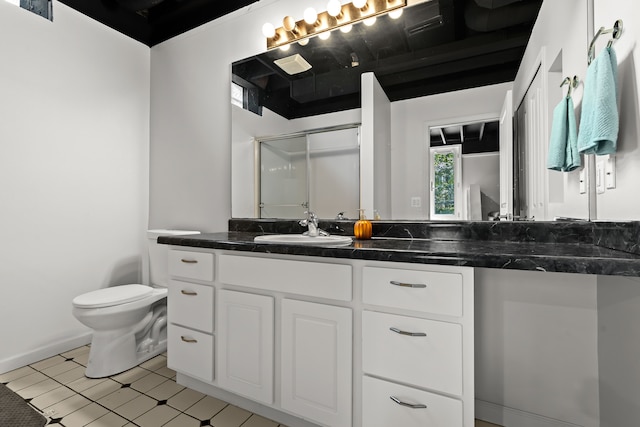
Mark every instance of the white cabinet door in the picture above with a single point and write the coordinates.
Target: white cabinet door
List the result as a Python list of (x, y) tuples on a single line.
[(245, 348), (316, 361)]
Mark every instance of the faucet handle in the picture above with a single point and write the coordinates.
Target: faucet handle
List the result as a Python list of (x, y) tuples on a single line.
[(340, 215)]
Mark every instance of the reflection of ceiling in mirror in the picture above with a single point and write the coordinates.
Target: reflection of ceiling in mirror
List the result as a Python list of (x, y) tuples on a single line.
[(436, 46), (476, 137)]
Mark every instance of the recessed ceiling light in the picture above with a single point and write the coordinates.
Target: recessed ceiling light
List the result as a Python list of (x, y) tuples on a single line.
[(293, 64)]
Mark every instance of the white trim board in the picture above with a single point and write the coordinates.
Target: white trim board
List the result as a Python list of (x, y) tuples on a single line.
[(509, 417), (44, 352)]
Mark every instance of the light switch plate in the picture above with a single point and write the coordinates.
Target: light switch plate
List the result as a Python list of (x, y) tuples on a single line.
[(610, 172), (600, 187), (416, 202)]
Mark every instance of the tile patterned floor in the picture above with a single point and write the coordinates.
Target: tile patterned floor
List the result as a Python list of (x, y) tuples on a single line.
[(145, 396)]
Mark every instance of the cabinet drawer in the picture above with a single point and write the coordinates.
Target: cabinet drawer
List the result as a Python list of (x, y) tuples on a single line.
[(380, 410), (433, 292), (315, 279), (431, 360), (192, 265), (191, 305), (190, 352)]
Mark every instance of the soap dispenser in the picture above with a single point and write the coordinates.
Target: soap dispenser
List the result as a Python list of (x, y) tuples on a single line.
[(362, 228)]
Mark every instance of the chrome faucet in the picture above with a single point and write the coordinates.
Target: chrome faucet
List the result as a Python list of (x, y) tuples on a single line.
[(311, 221)]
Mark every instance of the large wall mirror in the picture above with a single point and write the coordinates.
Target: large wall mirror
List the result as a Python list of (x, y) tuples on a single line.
[(436, 64)]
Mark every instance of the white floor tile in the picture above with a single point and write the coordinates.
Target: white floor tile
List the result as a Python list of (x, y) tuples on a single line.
[(66, 406), (101, 390), (258, 421), (185, 399), (148, 382), (58, 369), (230, 416), (118, 398), (155, 363), (165, 391), (26, 381), (136, 407), (183, 420), (128, 377), (70, 375), (84, 416), (38, 389), (47, 363), (206, 408), (109, 420), (16, 373), (84, 383), (52, 397), (158, 416)]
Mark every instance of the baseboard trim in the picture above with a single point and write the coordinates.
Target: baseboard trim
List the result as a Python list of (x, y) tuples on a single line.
[(44, 352), (509, 417)]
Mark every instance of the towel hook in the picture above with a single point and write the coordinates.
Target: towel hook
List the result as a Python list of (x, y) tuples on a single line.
[(572, 82), (617, 32)]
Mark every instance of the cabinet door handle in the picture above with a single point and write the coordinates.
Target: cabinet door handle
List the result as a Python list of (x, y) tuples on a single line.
[(189, 261), (408, 285), (411, 334), (408, 405), (190, 293), (189, 340)]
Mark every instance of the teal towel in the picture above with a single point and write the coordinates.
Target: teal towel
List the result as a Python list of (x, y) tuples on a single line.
[(599, 122), (563, 145)]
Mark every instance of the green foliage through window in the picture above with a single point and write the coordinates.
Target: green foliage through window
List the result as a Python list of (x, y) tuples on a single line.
[(444, 183)]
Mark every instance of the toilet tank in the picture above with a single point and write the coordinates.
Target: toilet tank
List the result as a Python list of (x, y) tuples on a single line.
[(158, 255)]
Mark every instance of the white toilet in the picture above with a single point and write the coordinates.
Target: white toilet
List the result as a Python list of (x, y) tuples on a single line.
[(128, 321)]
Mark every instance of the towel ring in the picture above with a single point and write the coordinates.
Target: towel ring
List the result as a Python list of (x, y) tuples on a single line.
[(572, 82), (617, 32)]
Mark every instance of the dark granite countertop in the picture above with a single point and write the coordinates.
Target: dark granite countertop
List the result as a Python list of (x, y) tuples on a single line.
[(581, 257)]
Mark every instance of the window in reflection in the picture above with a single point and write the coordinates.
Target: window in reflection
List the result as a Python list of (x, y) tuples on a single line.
[(43, 8)]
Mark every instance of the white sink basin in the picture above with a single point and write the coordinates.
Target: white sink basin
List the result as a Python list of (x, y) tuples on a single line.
[(301, 239)]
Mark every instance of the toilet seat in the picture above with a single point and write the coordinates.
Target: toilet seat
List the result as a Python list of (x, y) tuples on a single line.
[(112, 296)]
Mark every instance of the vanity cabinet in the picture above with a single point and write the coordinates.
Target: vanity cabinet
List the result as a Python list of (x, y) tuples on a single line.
[(190, 307), (316, 361), (417, 346), (245, 344), (336, 342)]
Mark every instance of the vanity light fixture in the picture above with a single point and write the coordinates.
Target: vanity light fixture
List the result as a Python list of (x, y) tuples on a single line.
[(337, 16)]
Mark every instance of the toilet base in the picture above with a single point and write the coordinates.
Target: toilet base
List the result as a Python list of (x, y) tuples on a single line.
[(113, 352)]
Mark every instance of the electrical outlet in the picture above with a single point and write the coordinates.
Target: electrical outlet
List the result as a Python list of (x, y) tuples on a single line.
[(416, 202)]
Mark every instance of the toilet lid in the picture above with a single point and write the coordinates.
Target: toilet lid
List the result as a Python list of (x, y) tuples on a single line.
[(112, 296)]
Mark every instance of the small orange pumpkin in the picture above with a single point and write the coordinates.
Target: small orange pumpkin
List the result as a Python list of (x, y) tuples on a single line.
[(362, 228)]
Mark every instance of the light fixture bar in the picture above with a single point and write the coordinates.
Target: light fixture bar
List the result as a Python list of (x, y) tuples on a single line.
[(325, 22)]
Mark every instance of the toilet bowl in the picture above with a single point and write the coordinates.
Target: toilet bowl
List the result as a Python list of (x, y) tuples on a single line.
[(128, 321)]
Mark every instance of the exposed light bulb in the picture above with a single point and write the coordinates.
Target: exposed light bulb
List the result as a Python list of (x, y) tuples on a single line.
[(285, 47), (346, 28), (310, 16), (334, 8), (268, 30), (369, 21), (325, 35), (359, 3), (289, 24), (303, 42), (395, 14)]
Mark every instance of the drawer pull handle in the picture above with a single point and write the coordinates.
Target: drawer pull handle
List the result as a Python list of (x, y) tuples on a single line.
[(189, 261), (411, 334), (408, 285), (189, 340), (190, 293), (408, 405)]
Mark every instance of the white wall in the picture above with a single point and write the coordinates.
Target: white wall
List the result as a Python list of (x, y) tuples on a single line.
[(536, 348), (74, 124), (623, 202), (191, 115), (410, 122), (619, 350), (559, 40)]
